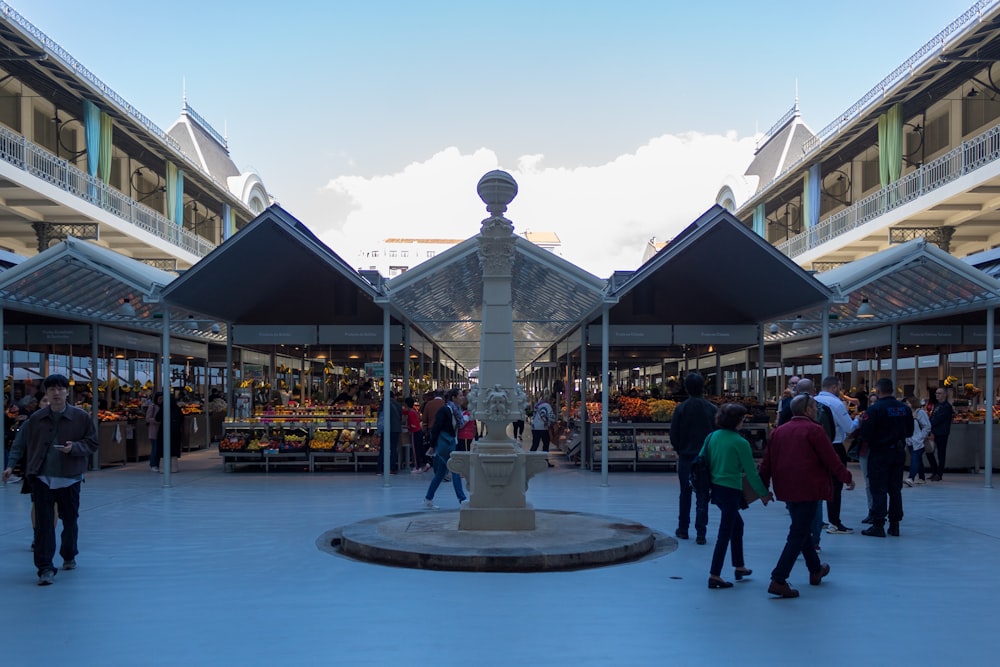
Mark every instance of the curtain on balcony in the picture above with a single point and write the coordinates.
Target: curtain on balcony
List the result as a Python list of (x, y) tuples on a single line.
[(104, 161), (92, 133), (175, 193), (890, 145), (228, 222), (759, 221), (810, 195)]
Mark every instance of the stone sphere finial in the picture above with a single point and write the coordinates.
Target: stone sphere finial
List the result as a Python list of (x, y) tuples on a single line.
[(497, 189)]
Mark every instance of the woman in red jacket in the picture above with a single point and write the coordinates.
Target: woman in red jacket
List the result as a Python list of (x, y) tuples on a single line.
[(801, 462), (467, 433)]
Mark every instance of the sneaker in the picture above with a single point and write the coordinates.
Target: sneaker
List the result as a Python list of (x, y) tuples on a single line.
[(447, 478), (429, 505), (154, 469), (13, 479), (908, 481), (867, 519), (681, 533), (818, 548), (69, 564), (920, 480), (893, 529), (839, 529), (700, 540), (417, 471), (46, 578)]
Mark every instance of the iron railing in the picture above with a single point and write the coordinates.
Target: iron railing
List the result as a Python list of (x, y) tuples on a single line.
[(35, 160), (965, 158)]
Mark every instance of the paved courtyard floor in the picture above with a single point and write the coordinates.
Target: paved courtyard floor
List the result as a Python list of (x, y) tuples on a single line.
[(224, 569)]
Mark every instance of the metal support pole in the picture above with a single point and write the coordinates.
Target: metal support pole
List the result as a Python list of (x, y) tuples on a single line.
[(988, 445), (606, 389), (167, 398)]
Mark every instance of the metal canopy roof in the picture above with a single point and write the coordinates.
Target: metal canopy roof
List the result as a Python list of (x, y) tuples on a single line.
[(909, 282), (275, 271), (443, 297), (716, 271), (76, 279)]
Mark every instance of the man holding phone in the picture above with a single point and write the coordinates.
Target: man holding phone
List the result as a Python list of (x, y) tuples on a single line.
[(58, 441)]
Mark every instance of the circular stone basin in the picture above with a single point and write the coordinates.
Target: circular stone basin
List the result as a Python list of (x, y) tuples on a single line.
[(431, 540)]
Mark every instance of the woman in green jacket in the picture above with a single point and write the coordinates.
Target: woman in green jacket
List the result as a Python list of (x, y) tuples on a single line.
[(729, 456)]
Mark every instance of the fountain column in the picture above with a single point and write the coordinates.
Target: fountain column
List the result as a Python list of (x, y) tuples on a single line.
[(497, 469)]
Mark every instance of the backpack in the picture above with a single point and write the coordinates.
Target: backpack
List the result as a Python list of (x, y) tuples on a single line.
[(825, 418), (701, 472)]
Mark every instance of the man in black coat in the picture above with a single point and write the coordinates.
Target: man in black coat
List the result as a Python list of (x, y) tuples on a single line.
[(940, 428), (885, 426), (691, 423)]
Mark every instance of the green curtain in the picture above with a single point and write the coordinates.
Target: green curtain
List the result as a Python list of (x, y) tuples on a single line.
[(104, 161), (890, 145), (172, 209)]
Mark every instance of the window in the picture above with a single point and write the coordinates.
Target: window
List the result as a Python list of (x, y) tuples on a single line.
[(396, 270), (404, 253), (430, 253), (870, 175), (978, 111), (10, 110), (374, 254), (45, 130), (936, 135), (392, 253)]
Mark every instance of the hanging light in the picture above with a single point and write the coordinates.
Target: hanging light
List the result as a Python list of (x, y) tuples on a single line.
[(798, 322), (125, 309), (865, 310)]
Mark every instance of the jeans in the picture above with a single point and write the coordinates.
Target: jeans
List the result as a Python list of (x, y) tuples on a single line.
[(885, 478), (701, 503), (730, 527), (798, 541), (541, 436), (393, 451), (941, 444), (155, 452), (419, 449), (45, 499), (833, 505), (863, 461), (916, 462), (440, 470), (816, 527)]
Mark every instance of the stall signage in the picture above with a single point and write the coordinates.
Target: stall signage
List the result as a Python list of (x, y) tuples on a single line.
[(68, 334), (254, 372), (715, 334), (188, 348), (374, 369), (924, 334), (634, 335), (291, 334), (13, 335), (861, 340), (251, 357), (801, 348), (332, 334), (734, 359), (128, 340), (545, 364), (976, 335)]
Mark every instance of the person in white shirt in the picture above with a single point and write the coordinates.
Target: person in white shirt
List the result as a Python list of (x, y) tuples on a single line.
[(830, 397)]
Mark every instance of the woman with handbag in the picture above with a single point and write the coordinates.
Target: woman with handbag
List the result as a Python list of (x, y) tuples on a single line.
[(729, 457), (444, 439)]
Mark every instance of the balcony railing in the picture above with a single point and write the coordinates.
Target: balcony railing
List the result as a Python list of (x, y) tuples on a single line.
[(42, 164), (966, 158)]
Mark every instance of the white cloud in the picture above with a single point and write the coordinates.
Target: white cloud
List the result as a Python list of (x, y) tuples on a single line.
[(603, 214)]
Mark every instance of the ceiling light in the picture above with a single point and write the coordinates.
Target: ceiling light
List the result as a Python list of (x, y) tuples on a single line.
[(865, 310), (798, 322), (125, 309), (774, 328)]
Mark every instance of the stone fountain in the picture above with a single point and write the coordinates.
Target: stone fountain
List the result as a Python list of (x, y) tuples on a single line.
[(497, 469)]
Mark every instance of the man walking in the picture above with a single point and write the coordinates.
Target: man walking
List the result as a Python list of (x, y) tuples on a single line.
[(58, 441), (844, 426), (800, 460), (691, 423), (885, 426)]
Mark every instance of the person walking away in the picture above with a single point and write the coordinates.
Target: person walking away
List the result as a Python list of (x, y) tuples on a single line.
[(517, 428), (729, 457), (693, 420), (427, 416), (885, 426), (800, 461), (542, 418), (57, 444), (915, 443), (940, 430), (843, 427), (444, 439), (154, 415)]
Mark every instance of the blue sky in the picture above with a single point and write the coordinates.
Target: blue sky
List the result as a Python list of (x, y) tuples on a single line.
[(374, 119)]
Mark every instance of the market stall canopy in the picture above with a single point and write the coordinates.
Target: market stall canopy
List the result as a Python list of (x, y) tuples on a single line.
[(79, 280), (714, 272), (444, 297), (909, 282), (275, 271)]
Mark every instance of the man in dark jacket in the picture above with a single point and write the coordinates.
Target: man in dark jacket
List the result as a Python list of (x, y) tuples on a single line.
[(691, 423), (941, 428), (58, 441), (801, 461), (885, 426)]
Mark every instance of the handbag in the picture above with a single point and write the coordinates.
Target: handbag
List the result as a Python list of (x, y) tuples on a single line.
[(929, 446), (701, 473)]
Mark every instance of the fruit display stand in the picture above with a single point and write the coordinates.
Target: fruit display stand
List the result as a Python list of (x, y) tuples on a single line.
[(652, 445), (298, 444), (633, 445), (621, 445), (242, 444)]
